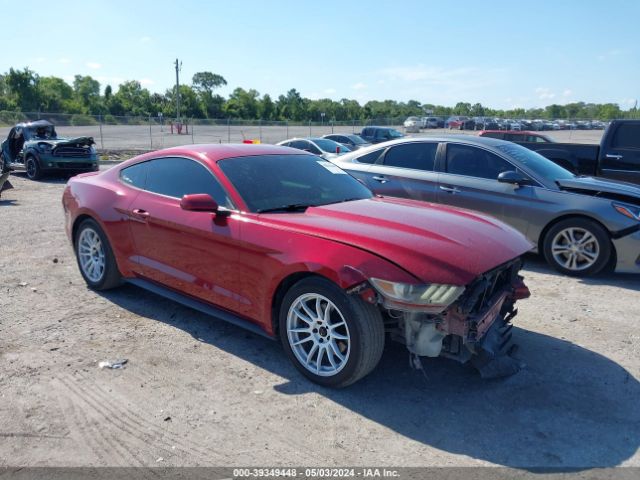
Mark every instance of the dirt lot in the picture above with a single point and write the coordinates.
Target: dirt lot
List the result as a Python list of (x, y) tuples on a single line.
[(197, 391)]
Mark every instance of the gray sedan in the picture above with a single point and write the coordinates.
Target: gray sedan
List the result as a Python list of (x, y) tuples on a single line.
[(580, 224)]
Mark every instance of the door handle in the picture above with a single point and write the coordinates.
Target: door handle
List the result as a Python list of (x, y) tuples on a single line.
[(449, 189), (139, 214), (613, 157), (381, 179)]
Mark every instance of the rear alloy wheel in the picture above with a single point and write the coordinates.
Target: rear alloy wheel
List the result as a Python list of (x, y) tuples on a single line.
[(95, 257), (578, 247), (332, 338), (33, 168)]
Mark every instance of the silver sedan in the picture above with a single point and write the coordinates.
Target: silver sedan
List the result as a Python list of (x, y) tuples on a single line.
[(580, 224)]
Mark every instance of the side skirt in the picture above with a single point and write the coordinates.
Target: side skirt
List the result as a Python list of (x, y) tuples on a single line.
[(198, 305)]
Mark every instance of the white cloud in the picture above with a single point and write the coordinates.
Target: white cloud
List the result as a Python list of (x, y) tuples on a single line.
[(40, 60), (64, 60), (567, 93), (359, 86), (610, 54), (330, 91), (145, 39), (544, 93), (145, 82), (93, 65)]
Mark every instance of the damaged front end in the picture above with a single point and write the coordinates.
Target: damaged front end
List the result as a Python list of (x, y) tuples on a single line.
[(468, 324)]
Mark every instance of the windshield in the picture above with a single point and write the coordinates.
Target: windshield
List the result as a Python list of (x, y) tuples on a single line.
[(44, 133), (276, 182), (395, 134), (541, 166), (330, 146), (357, 140)]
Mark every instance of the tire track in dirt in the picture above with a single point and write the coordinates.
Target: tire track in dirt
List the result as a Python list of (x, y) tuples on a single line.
[(136, 426)]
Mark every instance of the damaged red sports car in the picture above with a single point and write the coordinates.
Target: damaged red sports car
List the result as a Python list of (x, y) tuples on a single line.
[(289, 245)]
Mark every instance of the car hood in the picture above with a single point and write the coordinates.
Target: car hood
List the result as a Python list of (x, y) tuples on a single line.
[(56, 142), (435, 243), (610, 189)]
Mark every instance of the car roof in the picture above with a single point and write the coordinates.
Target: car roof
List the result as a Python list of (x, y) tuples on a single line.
[(36, 124), (464, 139), (215, 152)]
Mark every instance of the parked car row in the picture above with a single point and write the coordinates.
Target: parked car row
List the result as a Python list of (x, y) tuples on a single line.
[(461, 122)]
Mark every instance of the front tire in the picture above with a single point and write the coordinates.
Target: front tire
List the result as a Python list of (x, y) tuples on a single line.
[(34, 172), (578, 247), (332, 338), (95, 258)]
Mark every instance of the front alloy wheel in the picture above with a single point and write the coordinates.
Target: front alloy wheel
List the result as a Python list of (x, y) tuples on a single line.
[(318, 334), (33, 169), (578, 247), (333, 338)]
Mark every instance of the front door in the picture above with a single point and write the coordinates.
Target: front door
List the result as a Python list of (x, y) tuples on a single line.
[(191, 252)]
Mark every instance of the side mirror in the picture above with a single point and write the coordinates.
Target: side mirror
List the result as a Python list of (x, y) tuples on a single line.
[(513, 178), (199, 202)]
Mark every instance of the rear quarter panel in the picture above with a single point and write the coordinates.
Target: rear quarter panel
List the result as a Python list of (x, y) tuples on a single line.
[(106, 202)]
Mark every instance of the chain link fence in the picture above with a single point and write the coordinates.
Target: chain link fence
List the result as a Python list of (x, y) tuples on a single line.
[(151, 133), (133, 133)]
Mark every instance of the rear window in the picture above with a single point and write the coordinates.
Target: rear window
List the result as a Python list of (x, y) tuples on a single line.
[(627, 136)]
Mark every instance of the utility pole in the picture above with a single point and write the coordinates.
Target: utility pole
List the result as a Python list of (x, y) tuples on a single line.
[(178, 68)]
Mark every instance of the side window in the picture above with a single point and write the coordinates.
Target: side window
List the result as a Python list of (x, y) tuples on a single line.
[(382, 134), (285, 144), (175, 177), (627, 136), (366, 132), (313, 149), (475, 162), (299, 144), (419, 156), (370, 157), (135, 175)]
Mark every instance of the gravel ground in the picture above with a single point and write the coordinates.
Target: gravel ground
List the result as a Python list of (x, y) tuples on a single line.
[(197, 391)]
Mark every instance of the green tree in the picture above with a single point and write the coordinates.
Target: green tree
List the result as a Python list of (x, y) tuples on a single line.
[(131, 99), (204, 83), (22, 87), (266, 108), (87, 92), (56, 95)]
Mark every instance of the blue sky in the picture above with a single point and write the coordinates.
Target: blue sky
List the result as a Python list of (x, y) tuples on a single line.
[(502, 54)]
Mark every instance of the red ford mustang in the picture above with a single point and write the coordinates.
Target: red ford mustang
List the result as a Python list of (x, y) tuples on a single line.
[(289, 245)]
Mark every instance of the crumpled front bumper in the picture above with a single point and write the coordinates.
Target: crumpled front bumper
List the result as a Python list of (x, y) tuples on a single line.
[(628, 253)]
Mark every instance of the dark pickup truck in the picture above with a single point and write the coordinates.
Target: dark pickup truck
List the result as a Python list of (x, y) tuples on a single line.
[(617, 157)]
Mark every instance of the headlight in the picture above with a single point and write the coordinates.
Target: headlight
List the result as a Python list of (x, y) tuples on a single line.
[(430, 298), (44, 147), (627, 211)]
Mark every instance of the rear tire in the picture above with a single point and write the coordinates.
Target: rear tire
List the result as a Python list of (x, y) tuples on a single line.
[(95, 258), (578, 247), (332, 338)]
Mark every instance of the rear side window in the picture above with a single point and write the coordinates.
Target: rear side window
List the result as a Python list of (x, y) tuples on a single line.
[(475, 162), (627, 136), (419, 156), (135, 175), (175, 177), (370, 157)]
